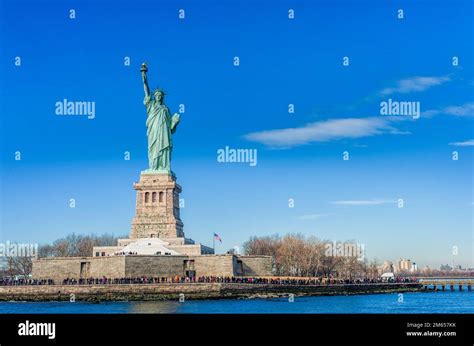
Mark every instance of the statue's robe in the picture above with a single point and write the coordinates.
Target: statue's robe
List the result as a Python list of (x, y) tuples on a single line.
[(160, 125)]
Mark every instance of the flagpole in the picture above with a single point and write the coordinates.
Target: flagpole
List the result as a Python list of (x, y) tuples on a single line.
[(214, 243)]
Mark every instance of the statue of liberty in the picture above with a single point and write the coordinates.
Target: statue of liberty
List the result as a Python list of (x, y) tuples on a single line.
[(160, 126)]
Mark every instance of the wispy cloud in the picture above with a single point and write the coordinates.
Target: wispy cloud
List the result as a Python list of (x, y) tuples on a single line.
[(468, 143), (364, 202), (464, 110), (414, 84), (324, 131)]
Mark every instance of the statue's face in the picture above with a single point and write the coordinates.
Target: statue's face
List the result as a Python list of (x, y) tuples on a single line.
[(159, 96)]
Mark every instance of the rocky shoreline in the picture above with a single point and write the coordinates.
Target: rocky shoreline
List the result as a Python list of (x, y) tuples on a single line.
[(190, 291)]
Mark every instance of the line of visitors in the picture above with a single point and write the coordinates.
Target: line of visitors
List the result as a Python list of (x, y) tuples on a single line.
[(205, 279)]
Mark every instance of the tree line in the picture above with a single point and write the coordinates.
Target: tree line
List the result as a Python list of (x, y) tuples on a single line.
[(73, 245), (299, 255)]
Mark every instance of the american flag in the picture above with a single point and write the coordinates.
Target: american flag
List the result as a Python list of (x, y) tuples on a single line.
[(216, 237)]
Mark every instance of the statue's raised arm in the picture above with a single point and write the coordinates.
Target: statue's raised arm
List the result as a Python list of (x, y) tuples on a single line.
[(144, 70)]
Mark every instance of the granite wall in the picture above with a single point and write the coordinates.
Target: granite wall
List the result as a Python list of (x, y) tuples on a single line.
[(60, 268)]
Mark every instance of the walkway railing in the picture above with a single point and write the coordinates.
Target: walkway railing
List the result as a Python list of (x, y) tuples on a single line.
[(444, 285)]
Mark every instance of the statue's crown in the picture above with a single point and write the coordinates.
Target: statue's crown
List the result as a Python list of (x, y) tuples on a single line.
[(159, 90)]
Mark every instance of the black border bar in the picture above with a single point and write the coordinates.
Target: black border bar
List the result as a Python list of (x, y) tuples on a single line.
[(242, 329)]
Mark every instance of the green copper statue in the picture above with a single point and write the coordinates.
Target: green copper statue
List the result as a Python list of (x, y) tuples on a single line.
[(160, 125)]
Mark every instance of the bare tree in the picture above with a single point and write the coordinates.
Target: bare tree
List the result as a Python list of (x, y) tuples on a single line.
[(262, 245), (297, 255), (75, 245), (311, 256), (46, 250), (16, 265), (61, 248), (290, 255)]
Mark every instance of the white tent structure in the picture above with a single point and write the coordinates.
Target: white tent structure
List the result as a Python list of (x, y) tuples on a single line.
[(387, 276), (148, 246)]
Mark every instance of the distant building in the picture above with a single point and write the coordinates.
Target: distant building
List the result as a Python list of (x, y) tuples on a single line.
[(404, 265), (445, 268)]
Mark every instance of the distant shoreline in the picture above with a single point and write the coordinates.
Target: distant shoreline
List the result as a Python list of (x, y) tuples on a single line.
[(191, 291)]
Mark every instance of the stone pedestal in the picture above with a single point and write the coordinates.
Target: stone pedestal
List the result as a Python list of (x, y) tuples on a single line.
[(157, 207)]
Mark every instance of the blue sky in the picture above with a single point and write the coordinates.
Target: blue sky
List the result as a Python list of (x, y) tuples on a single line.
[(282, 61)]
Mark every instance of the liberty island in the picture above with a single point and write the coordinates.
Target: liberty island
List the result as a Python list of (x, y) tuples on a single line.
[(158, 262)]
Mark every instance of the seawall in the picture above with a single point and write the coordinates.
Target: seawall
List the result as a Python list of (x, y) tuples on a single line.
[(172, 291)]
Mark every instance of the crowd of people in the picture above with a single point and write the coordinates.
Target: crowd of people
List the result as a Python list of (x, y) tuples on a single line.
[(128, 253), (21, 282), (205, 279), (300, 281)]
